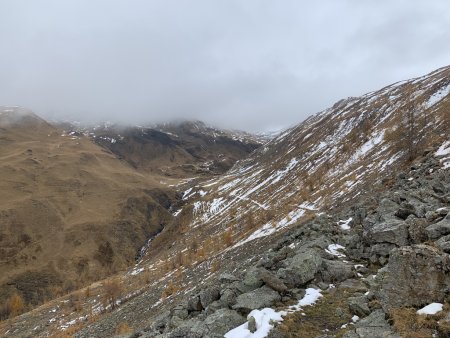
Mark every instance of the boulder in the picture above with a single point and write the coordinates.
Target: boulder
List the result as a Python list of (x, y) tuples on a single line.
[(252, 324), (416, 230), (228, 297), (358, 306), (194, 304), (256, 299), (180, 311), (374, 326), (273, 281), (387, 206), (184, 331), (444, 243), (405, 210), (391, 231), (414, 276), (222, 321), (336, 271), (381, 249), (301, 268), (439, 229), (319, 243), (252, 280), (209, 295)]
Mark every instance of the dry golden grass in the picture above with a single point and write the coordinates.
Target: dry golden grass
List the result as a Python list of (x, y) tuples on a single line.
[(64, 203), (411, 325), (123, 329), (329, 313)]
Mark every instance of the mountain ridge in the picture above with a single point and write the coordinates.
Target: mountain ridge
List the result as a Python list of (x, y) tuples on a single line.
[(341, 183)]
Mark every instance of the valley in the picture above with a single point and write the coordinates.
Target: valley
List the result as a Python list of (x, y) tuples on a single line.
[(312, 227)]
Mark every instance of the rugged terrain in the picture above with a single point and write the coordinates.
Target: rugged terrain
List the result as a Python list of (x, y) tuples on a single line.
[(179, 149), (71, 211), (337, 227)]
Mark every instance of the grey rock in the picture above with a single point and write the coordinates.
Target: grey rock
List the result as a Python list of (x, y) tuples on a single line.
[(405, 210), (319, 243), (358, 306), (387, 206), (176, 322), (213, 307), (273, 281), (351, 334), (180, 311), (431, 215), (443, 211), (439, 229), (194, 304), (228, 297), (252, 279), (392, 231), (354, 284), (381, 249), (251, 324), (183, 332), (227, 278), (301, 268), (256, 299), (222, 321), (336, 271), (416, 230), (401, 176), (414, 276), (444, 243), (209, 295), (375, 326)]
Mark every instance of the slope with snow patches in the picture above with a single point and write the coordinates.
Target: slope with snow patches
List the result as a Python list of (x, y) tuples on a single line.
[(328, 159)]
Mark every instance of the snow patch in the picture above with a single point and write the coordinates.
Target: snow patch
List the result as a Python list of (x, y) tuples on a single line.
[(345, 225), (333, 249), (438, 96), (430, 309), (266, 317), (263, 319), (444, 153), (444, 149)]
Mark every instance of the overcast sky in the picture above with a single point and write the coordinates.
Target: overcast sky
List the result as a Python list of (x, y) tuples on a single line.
[(245, 64)]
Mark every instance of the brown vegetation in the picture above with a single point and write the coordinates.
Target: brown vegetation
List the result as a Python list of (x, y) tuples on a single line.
[(409, 324), (112, 292)]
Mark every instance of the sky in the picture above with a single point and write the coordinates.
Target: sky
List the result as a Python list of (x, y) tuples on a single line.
[(254, 65)]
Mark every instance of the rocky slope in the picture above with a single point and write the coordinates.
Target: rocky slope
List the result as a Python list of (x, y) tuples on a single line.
[(329, 159), (363, 271), (360, 272), (323, 218), (182, 150)]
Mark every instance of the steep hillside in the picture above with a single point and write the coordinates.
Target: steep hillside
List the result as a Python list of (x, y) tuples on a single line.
[(327, 160), (70, 212), (182, 150), (313, 213)]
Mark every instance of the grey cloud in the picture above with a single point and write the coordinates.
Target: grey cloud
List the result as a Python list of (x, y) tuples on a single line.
[(250, 64)]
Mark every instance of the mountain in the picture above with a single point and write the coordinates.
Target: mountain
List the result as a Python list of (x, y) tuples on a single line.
[(70, 212), (329, 159), (344, 217), (180, 150)]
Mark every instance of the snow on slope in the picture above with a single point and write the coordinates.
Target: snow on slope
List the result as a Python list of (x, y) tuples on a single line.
[(328, 159)]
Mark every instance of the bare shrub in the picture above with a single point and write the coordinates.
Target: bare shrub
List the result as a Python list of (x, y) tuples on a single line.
[(112, 292)]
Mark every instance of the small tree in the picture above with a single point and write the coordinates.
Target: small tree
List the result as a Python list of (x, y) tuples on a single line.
[(15, 305), (113, 291), (227, 238), (413, 126)]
